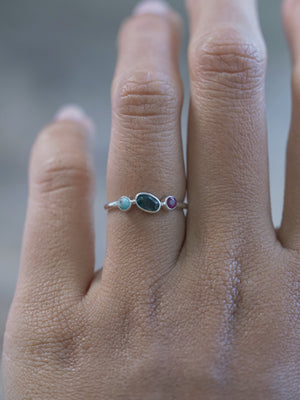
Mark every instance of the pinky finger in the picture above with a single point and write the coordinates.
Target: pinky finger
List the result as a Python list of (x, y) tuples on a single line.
[(58, 245)]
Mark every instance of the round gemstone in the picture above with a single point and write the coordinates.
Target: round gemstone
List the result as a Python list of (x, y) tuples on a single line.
[(171, 202), (124, 203)]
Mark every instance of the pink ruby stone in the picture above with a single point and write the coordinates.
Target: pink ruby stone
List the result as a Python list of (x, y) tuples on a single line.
[(171, 202)]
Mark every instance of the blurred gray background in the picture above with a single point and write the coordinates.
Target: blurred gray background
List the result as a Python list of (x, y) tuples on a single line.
[(61, 51)]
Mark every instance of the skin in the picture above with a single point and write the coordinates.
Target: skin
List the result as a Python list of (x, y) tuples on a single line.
[(198, 307)]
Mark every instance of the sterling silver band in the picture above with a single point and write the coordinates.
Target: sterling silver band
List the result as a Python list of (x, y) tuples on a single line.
[(146, 202)]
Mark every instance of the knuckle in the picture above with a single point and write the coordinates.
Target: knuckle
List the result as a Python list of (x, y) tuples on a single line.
[(53, 169), (47, 335), (146, 95), (226, 60), (55, 175)]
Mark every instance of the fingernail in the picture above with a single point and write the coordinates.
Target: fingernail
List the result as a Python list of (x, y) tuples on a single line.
[(158, 7), (73, 112)]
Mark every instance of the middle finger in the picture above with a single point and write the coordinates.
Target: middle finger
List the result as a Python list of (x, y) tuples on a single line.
[(228, 184)]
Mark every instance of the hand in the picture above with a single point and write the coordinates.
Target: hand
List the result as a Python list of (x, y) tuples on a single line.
[(198, 307)]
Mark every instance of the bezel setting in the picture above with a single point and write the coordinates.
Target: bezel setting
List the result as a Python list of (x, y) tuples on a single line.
[(166, 203), (150, 195), (119, 203)]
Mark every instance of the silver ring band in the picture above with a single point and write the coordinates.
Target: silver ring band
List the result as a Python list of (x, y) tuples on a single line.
[(146, 202)]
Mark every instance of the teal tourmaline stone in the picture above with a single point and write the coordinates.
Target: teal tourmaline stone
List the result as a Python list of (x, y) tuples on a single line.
[(124, 203), (148, 202)]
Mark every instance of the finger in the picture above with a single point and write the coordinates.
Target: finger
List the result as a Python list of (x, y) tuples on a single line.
[(289, 232), (145, 150), (228, 183), (58, 247)]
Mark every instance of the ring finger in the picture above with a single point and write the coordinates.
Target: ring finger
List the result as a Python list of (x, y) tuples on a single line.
[(145, 151)]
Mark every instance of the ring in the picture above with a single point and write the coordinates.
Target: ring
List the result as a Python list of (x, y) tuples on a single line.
[(146, 202)]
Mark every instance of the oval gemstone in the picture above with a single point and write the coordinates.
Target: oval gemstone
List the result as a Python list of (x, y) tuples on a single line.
[(171, 203), (124, 203), (148, 202)]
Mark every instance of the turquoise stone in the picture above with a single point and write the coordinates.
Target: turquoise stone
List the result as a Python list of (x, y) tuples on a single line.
[(124, 203), (148, 202)]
